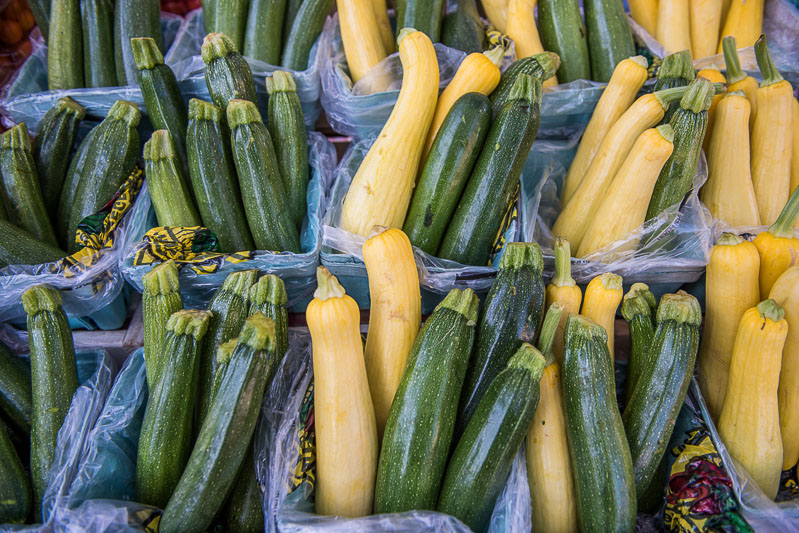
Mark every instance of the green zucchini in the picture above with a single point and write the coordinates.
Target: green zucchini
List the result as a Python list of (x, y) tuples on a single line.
[(15, 389), (230, 18), (65, 46), (160, 300), (52, 147), (166, 431), (511, 315), (70, 187), (54, 379), (292, 8), (446, 170), (244, 509), (18, 247), (482, 460), (462, 28), (209, 10), (227, 431), (287, 127), (562, 31), (689, 123), (659, 393), (399, 14), (213, 177), (22, 193), (263, 37), (227, 74), (166, 182), (487, 197), (223, 355), (134, 18), (638, 309), (109, 161), (229, 307), (676, 70), (163, 100), (540, 66), (604, 481), (268, 296), (15, 488), (422, 416), (41, 14), (423, 15), (307, 26), (610, 39), (265, 200), (97, 18)]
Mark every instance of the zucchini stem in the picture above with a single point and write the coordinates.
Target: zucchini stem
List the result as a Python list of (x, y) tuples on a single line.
[(677, 65), (162, 279), (699, 96), (146, 54), (563, 264), (17, 138), (731, 59), (549, 63), (241, 112), (527, 357), (521, 254), (269, 289), (680, 307), (280, 82), (639, 300), (765, 63), (464, 302), (258, 333), (202, 110), (667, 96), (548, 331), (783, 226)]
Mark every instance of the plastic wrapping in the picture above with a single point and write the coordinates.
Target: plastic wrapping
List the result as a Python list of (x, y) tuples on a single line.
[(298, 271)]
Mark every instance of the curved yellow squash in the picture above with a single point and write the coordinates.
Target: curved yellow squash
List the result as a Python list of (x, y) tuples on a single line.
[(602, 298), (563, 290), (744, 21), (360, 35)]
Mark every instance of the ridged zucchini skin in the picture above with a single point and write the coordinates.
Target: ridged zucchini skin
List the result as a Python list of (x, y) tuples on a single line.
[(229, 307), (41, 14), (462, 28), (18, 247), (265, 199), (15, 488), (109, 161), (638, 309), (166, 432), (603, 472), (65, 46), (263, 37), (54, 379), (562, 31), (168, 185), (292, 8), (22, 193), (160, 299), (209, 10), (482, 460), (677, 70), (70, 188), (447, 170), (287, 127), (226, 433), (512, 314), (244, 508), (15, 389), (230, 18), (610, 39), (52, 147), (423, 15), (487, 196), (660, 391), (97, 18), (422, 416), (540, 66), (307, 26), (268, 296), (213, 177), (227, 74), (134, 18)]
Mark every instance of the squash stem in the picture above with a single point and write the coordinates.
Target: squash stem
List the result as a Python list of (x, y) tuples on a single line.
[(639, 300), (216, 45), (241, 112), (159, 147), (464, 302), (521, 254), (677, 65), (41, 298), (699, 96), (128, 112), (146, 54), (729, 239), (202, 110), (783, 226), (764, 61), (770, 310), (666, 131), (548, 331), (495, 55), (530, 359), (667, 96), (225, 351), (563, 264), (280, 82), (549, 63), (16, 138), (584, 327), (67, 103), (525, 88), (189, 322), (162, 279), (269, 289), (731, 59), (328, 285), (240, 282), (258, 333), (611, 281), (680, 307)]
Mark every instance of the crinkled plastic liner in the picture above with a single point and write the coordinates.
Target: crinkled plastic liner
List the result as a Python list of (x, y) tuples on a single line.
[(762, 513), (298, 271), (293, 512)]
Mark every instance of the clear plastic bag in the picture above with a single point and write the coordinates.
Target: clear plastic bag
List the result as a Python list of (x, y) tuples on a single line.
[(298, 271)]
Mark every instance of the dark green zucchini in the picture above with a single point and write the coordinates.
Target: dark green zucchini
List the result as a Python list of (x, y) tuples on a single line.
[(227, 431), (134, 18), (446, 171), (638, 309), (677, 70), (230, 18), (689, 123), (562, 32), (41, 14), (305, 30), (268, 296), (65, 46), (540, 66), (213, 177), (22, 193), (244, 509), (15, 389), (462, 28), (604, 481), (166, 432), (265, 200), (422, 416), (167, 183), (263, 37), (160, 299), (424, 16), (54, 379), (292, 8), (287, 127), (70, 188), (15, 488), (659, 393), (97, 17), (610, 39), (227, 74), (52, 147), (482, 460), (512, 314), (223, 355), (18, 247), (487, 197)]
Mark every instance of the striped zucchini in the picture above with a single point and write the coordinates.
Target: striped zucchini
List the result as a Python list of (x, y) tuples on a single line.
[(540, 66), (67, 194), (562, 32), (423, 15), (65, 46), (41, 14), (223, 355), (18, 247), (610, 39), (97, 18), (307, 26), (166, 432), (134, 18), (15, 488), (677, 70), (54, 379), (168, 189), (15, 389), (462, 28), (268, 296), (244, 508), (230, 18), (287, 127), (265, 200), (227, 74), (638, 309), (263, 37), (160, 299), (292, 8)]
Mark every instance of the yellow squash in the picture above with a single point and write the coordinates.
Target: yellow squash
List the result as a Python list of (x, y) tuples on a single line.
[(381, 188), (711, 73), (386, 33), (744, 21), (360, 35), (731, 287), (346, 434), (395, 315), (645, 13), (749, 424), (778, 246), (674, 25), (737, 79), (564, 291), (497, 13), (705, 27), (795, 149), (602, 298), (521, 27)]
